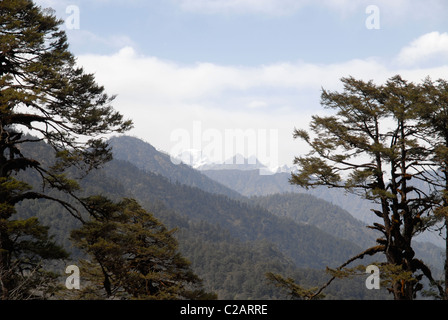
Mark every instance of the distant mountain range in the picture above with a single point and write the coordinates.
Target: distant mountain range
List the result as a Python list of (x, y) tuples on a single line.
[(147, 158), (250, 183), (187, 190), (197, 160), (245, 176), (242, 175), (231, 239)]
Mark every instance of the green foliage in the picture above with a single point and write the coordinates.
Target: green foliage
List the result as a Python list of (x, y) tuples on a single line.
[(354, 151), (137, 255), (307, 245), (27, 248), (147, 158), (294, 290), (231, 259), (43, 92), (231, 243), (308, 209)]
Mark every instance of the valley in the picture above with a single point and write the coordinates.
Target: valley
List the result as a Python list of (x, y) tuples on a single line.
[(231, 239)]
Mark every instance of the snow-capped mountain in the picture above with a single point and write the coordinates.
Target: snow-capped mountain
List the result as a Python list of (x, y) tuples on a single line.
[(283, 168), (194, 158), (238, 162), (198, 160)]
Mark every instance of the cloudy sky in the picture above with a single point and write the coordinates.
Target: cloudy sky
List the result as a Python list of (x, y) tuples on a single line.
[(190, 71)]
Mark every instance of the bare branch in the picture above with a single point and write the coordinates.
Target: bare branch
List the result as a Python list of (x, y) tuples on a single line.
[(371, 251)]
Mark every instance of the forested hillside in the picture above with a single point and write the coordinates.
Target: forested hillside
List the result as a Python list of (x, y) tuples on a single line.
[(308, 209), (251, 183), (231, 244), (147, 158), (307, 245)]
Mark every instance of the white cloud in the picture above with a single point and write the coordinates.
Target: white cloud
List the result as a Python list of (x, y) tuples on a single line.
[(133, 75), (162, 96), (257, 104), (80, 39), (430, 46)]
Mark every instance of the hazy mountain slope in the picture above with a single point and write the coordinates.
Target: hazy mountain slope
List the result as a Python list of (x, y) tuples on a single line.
[(231, 244), (308, 246), (308, 209), (230, 257), (304, 208), (226, 256), (146, 157), (251, 183)]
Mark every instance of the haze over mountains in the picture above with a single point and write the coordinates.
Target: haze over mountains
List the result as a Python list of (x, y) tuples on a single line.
[(231, 240), (250, 177), (197, 160), (334, 212)]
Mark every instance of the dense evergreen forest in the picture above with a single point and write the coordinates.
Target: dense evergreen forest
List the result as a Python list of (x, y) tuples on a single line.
[(231, 243), (75, 190)]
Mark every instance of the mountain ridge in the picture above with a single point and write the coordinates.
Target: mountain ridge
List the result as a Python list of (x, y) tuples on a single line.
[(231, 242), (147, 157), (242, 181), (250, 183), (197, 160), (243, 220)]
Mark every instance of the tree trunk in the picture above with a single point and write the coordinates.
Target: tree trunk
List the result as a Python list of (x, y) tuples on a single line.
[(446, 260), (5, 265)]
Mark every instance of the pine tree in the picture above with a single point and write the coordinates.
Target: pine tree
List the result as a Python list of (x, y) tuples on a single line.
[(372, 146), (434, 119), (43, 92), (134, 255)]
